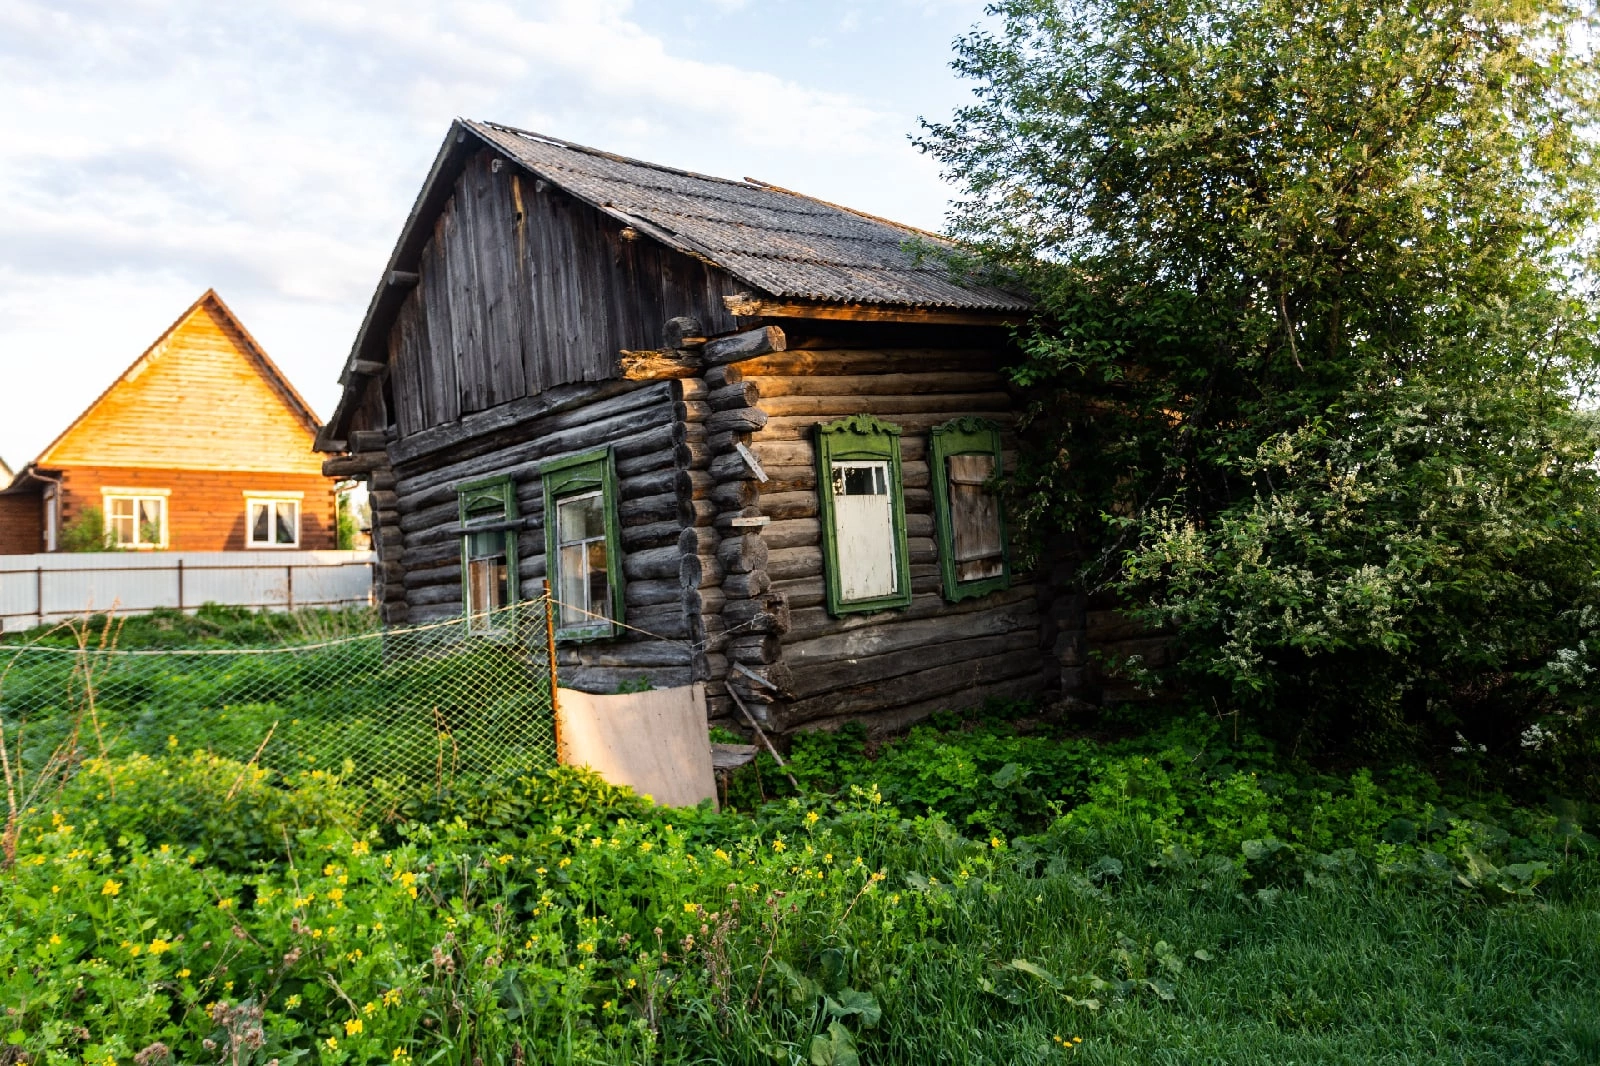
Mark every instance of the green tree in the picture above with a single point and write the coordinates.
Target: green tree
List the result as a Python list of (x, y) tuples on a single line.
[(87, 533), (1317, 322)]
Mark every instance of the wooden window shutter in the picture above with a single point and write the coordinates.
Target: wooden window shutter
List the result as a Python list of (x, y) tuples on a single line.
[(965, 464), (862, 503)]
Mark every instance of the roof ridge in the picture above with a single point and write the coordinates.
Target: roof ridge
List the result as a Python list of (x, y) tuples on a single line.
[(603, 154)]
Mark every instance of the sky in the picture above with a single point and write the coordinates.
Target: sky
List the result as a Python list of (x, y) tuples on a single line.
[(150, 150)]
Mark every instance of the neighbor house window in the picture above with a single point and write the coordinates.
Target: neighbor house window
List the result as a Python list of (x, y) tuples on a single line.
[(863, 515), (583, 549), (489, 526), (136, 518), (272, 519), (964, 459)]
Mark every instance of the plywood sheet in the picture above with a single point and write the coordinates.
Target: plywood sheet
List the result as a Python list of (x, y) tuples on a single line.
[(654, 742)]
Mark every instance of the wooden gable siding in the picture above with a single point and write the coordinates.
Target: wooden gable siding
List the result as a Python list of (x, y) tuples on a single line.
[(523, 288), (197, 401), (888, 667)]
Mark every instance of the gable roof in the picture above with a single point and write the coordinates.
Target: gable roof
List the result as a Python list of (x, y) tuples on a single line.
[(782, 244), (778, 241), (208, 301)]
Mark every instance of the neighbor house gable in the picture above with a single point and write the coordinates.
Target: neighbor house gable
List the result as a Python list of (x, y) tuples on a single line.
[(204, 396)]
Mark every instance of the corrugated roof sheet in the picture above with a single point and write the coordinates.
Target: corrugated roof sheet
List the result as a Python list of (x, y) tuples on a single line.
[(783, 243)]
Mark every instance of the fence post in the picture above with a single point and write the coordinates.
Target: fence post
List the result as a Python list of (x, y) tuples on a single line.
[(550, 643), (288, 581), (180, 586), (38, 591)]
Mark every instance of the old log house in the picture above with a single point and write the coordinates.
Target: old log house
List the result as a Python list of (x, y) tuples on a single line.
[(748, 437)]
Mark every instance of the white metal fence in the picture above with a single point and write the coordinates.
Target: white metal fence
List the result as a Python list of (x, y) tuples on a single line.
[(35, 589)]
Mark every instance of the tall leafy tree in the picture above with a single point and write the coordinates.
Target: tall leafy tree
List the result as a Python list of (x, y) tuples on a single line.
[(1317, 326)]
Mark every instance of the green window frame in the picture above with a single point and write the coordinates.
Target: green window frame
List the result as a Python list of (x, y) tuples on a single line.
[(579, 491), (489, 524), (858, 459), (960, 438)]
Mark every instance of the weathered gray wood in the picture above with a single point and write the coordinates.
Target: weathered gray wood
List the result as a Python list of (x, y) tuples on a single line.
[(683, 331), (915, 633), (816, 622), (816, 362), (740, 555), (638, 592), (788, 563), (700, 571), (629, 653), (746, 345), (935, 683), (604, 680), (659, 563), (358, 463), (787, 506), (718, 376), (764, 614), (647, 509), (753, 583), (737, 420), (755, 647), (911, 383), (732, 397), (650, 535)]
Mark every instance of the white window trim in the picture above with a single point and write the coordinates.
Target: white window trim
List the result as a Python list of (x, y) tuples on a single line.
[(119, 492), (252, 496)]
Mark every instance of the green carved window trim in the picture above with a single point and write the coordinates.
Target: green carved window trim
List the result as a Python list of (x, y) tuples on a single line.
[(571, 476), (964, 436), (487, 506), (861, 438)]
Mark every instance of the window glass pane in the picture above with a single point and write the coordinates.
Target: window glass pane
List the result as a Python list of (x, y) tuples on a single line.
[(573, 586), (974, 518), (486, 584), (599, 592), (260, 519), (581, 517), (863, 515), (288, 514), (150, 521)]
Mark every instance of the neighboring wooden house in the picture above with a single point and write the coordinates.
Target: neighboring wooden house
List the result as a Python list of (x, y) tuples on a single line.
[(632, 380), (200, 445)]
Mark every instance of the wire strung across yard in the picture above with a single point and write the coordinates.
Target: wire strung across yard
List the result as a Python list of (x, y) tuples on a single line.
[(419, 703)]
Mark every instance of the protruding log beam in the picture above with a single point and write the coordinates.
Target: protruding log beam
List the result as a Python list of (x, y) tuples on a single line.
[(685, 331), (403, 279), (352, 465), (746, 345), (651, 365), (741, 555)]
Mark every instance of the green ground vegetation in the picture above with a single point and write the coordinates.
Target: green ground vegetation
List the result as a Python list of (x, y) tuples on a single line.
[(1002, 888)]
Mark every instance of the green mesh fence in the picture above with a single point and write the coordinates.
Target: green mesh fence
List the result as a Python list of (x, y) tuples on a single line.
[(421, 703)]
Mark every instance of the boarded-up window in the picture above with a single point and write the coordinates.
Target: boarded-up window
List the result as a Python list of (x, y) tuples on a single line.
[(972, 536), (863, 527), (864, 539), (488, 551), (583, 545)]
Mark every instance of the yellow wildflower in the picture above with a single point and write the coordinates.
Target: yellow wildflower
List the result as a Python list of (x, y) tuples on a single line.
[(360, 847), (690, 908), (812, 817), (503, 860), (333, 1043), (352, 1027), (644, 845), (55, 940), (996, 842), (564, 863), (369, 1009), (225, 904), (292, 1002), (391, 998), (719, 853), (779, 846), (159, 946), (185, 973), (111, 888)]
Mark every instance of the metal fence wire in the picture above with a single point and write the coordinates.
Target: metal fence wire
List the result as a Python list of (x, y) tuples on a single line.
[(418, 704)]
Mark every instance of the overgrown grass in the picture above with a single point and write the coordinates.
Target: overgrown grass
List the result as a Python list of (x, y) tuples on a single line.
[(994, 890)]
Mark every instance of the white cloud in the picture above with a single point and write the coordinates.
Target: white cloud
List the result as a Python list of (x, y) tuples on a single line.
[(155, 148)]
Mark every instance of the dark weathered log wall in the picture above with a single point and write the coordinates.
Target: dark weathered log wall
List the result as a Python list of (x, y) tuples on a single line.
[(523, 288), (787, 656), (656, 432)]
